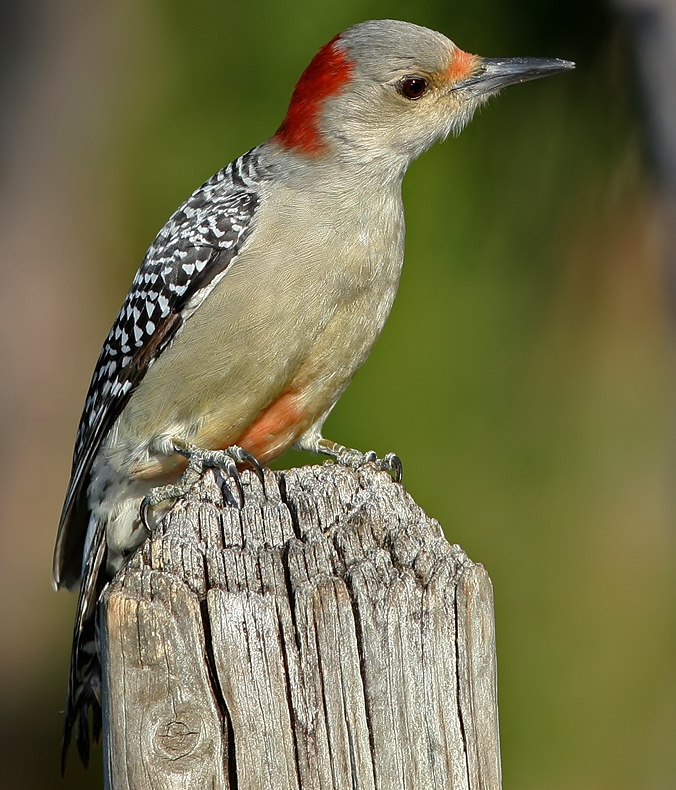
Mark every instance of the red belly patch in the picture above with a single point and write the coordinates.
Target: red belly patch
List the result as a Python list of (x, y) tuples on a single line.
[(275, 429)]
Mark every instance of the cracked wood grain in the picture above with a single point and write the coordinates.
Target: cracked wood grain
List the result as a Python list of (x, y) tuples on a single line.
[(325, 636)]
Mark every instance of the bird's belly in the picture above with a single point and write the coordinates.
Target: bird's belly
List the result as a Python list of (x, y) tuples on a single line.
[(322, 375), (262, 359)]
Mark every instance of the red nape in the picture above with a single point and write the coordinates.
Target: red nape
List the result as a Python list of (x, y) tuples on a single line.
[(327, 73)]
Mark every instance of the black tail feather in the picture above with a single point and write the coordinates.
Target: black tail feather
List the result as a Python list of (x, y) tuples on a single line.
[(85, 699), (84, 685)]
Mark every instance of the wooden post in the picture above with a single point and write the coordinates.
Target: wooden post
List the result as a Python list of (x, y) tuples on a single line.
[(325, 636)]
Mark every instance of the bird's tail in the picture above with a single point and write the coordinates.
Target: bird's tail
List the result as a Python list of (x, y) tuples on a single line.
[(84, 684)]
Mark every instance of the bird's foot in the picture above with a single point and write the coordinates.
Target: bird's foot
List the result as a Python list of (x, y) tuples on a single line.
[(348, 456), (226, 460), (198, 461)]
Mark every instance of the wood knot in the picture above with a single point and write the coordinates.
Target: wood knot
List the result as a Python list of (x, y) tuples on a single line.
[(176, 739)]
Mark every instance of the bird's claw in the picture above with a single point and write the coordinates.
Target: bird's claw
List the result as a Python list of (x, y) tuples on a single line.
[(198, 461), (391, 462), (243, 456)]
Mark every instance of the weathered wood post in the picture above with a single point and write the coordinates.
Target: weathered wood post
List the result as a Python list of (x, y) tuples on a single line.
[(324, 636)]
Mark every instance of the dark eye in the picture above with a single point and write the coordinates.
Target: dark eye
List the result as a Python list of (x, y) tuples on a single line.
[(413, 87)]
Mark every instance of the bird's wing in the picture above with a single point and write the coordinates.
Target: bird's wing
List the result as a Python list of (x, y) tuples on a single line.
[(190, 254)]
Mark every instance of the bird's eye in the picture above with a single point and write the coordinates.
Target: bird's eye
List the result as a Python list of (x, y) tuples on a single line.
[(412, 87)]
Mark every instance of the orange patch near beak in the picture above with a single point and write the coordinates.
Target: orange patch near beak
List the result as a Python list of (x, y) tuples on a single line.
[(462, 65)]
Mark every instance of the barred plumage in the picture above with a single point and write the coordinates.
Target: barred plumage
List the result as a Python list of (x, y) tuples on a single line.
[(189, 255), (187, 258)]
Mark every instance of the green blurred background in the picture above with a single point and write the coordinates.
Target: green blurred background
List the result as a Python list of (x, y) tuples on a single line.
[(524, 376)]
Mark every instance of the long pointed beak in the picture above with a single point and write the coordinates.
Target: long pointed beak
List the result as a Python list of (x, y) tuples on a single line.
[(496, 73)]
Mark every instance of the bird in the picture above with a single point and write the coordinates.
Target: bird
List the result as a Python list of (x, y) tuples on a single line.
[(257, 301)]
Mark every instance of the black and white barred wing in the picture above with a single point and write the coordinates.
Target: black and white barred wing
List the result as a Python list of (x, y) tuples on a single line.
[(188, 257)]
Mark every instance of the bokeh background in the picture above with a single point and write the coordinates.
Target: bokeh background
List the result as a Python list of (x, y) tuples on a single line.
[(525, 376)]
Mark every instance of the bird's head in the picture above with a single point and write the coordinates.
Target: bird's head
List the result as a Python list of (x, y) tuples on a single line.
[(388, 90)]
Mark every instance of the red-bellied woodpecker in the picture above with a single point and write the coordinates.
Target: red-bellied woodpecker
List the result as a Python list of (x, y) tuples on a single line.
[(260, 298)]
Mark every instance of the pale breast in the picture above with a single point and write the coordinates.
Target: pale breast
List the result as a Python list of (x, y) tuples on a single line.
[(300, 308)]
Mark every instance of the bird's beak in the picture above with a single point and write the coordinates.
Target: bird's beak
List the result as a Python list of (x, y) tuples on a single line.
[(493, 74)]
